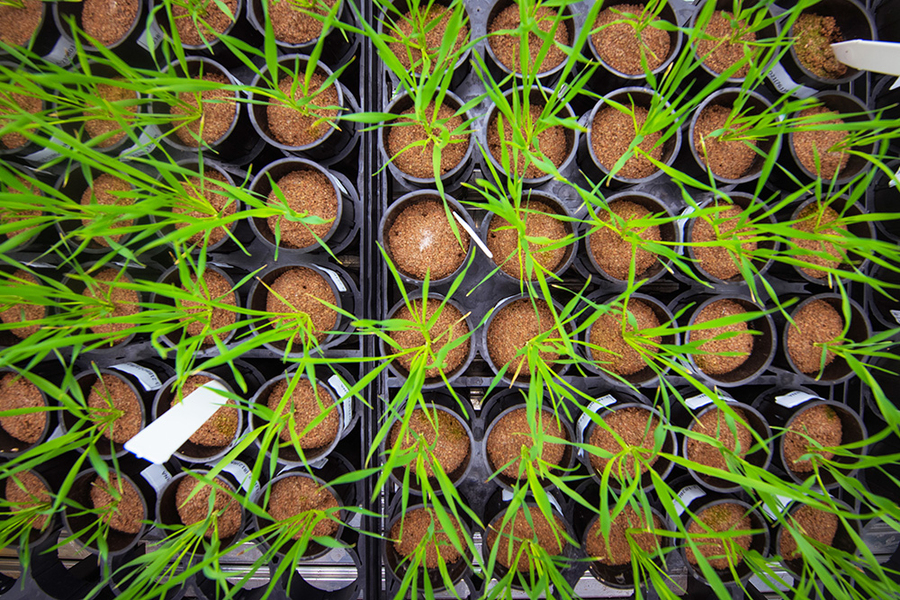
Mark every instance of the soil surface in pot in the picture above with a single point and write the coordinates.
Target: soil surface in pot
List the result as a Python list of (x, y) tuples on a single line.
[(117, 407), (303, 125), (720, 518), (122, 500), (719, 52), (208, 114), (814, 36), (18, 313), (202, 198), (303, 289), (219, 430), (124, 302), (507, 47), (612, 250), (718, 261), (108, 21), (513, 432), (108, 190), (227, 512), (612, 131), (819, 221), (214, 21), (421, 241), (512, 329), (714, 362), (714, 424), (307, 404), (205, 318), (449, 326), (811, 145), (18, 24), (551, 141), (610, 347), (294, 24), (541, 221), (409, 532), (109, 94), (441, 432), (545, 534), (813, 523), (816, 426), (297, 495), (618, 550), (413, 40), (31, 494), (16, 392), (404, 142), (308, 192), (9, 214), (730, 159), (13, 140), (636, 427), (815, 324), (619, 44)]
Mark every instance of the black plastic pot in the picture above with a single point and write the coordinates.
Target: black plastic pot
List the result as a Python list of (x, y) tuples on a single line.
[(10, 446), (843, 540), (29, 147), (130, 44), (886, 309), (167, 508), (51, 475), (58, 580), (238, 28), (45, 41), (885, 199), (40, 236)]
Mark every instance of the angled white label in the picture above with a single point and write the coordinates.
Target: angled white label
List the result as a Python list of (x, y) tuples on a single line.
[(155, 37), (338, 282), (242, 473), (896, 315), (346, 402), (62, 53), (784, 83), (792, 399), (594, 406), (157, 476), (147, 378), (698, 401), (686, 496), (776, 507)]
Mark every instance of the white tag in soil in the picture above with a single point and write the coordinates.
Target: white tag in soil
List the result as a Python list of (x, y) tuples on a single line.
[(155, 37), (794, 398), (784, 84), (340, 388), (242, 473), (777, 506), (159, 440), (686, 496), (157, 476), (62, 53), (336, 279), (147, 378), (698, 401), (585, 417)]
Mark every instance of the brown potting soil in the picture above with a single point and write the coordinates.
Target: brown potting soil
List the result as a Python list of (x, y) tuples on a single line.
[(819, 423), (730, 159), (613, 252), (813, 523), (821, 220), (18, 313), (216, 289), (295, 24), (421, 241), (404, 142), (812, 144), (545, 534), (217, 107), (124, 302), (721, 226), (12, 215), (108, 190), (303, 289), (411, 529), (227, 511), (627, 525), (16, 392), (613, 352), (111, 395), (720, 518), (122, 499), (815, 324), (612, 131), (34, 495), (308, 192), (511, 329), (541, 221), (411, 40), (219, 430), (718, 52), (296, 495), (303, 125), (814, 35), (440, 432), (513, 432), (551, 142), (214, 20), (449, 326), (619, 44), (108, 21), (714, 424), (14, 140), (96, 126), (18, 24), (217, 204), (307, 405), (715, 363), (507, 49), (636, 427)]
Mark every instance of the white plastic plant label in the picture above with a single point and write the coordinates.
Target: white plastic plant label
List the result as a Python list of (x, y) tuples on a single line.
[(474, 236), (56, 433), (145, 144), (242, 473), (795, 398), (896, 314), (698, 401), (340, 184), (62, 53), (681, 224), (336, 279), (151, 41), (784, 83), (686, 496), (585, 418), (776, 507), (44, 155), (146, 377), (338, 385), (157, 476)]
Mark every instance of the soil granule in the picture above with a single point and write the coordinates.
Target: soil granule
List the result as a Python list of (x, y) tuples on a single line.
[(822, 221), (110, 94), (729, 159), (816, 324), (110, 396), (637, 428), (221, 428), (202, 317), (507, 47), (545, 534), (108, 190), (418, 160), (512, 329), (13, 140), (204, 199), (619, 44), (124, 502), (812, 144), (197, 508), (619, 550), (303, 125), (718, 261), (441, 432), (295, 25), (214, 21), (416, 44), (718, 53), (613, 131), (19, 313), (35, 495), (16, 392), (551, 143), (816, 426), (720, 518), (814, 35), (18, 25), (309, 193), (108, 21), (713, 362), (304, 290), (307, 405), (612, 350), (421, 241), (714, 423), (612, 250), (409, 532), (541, 222), (449, 326), (215, 111), (813, 523), (513, 432), (124, 303), (297, 495)]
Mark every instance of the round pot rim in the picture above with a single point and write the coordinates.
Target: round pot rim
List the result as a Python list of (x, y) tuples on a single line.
[(176, 479)]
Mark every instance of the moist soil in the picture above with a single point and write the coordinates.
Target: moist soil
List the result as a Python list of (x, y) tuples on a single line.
[(816, 426), (219, 430), (718, 52), (507, 47), (813, 523), (18, 25), (108, 21), (409, 531), (421, 241), (34, 495), (441, 432), (612, 251), (820, 220), (511, 329), (609, 346), (12, 215), (128, 510), (215, 202), (17, 392), (19, 313), (417, 160), (613, 131), (411, 44), (815, 324), (307, 405), (718, 261), (14, 140), (512, 433), (541, 221), (731, 159), (814, 35), (124, 303), (449, 326), (636, 427), (303, 125), (218, 110), (545, 534), (308, 192), (714, 424), (296, 495), (215, 288), (810, 145), (111, 395), (215, 20), (108, 190), (197, 508), (295, 25), (720, 518), (618, 550), (551, 142), (303, 289), (713, 362), (619, 44), (109, 95)]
